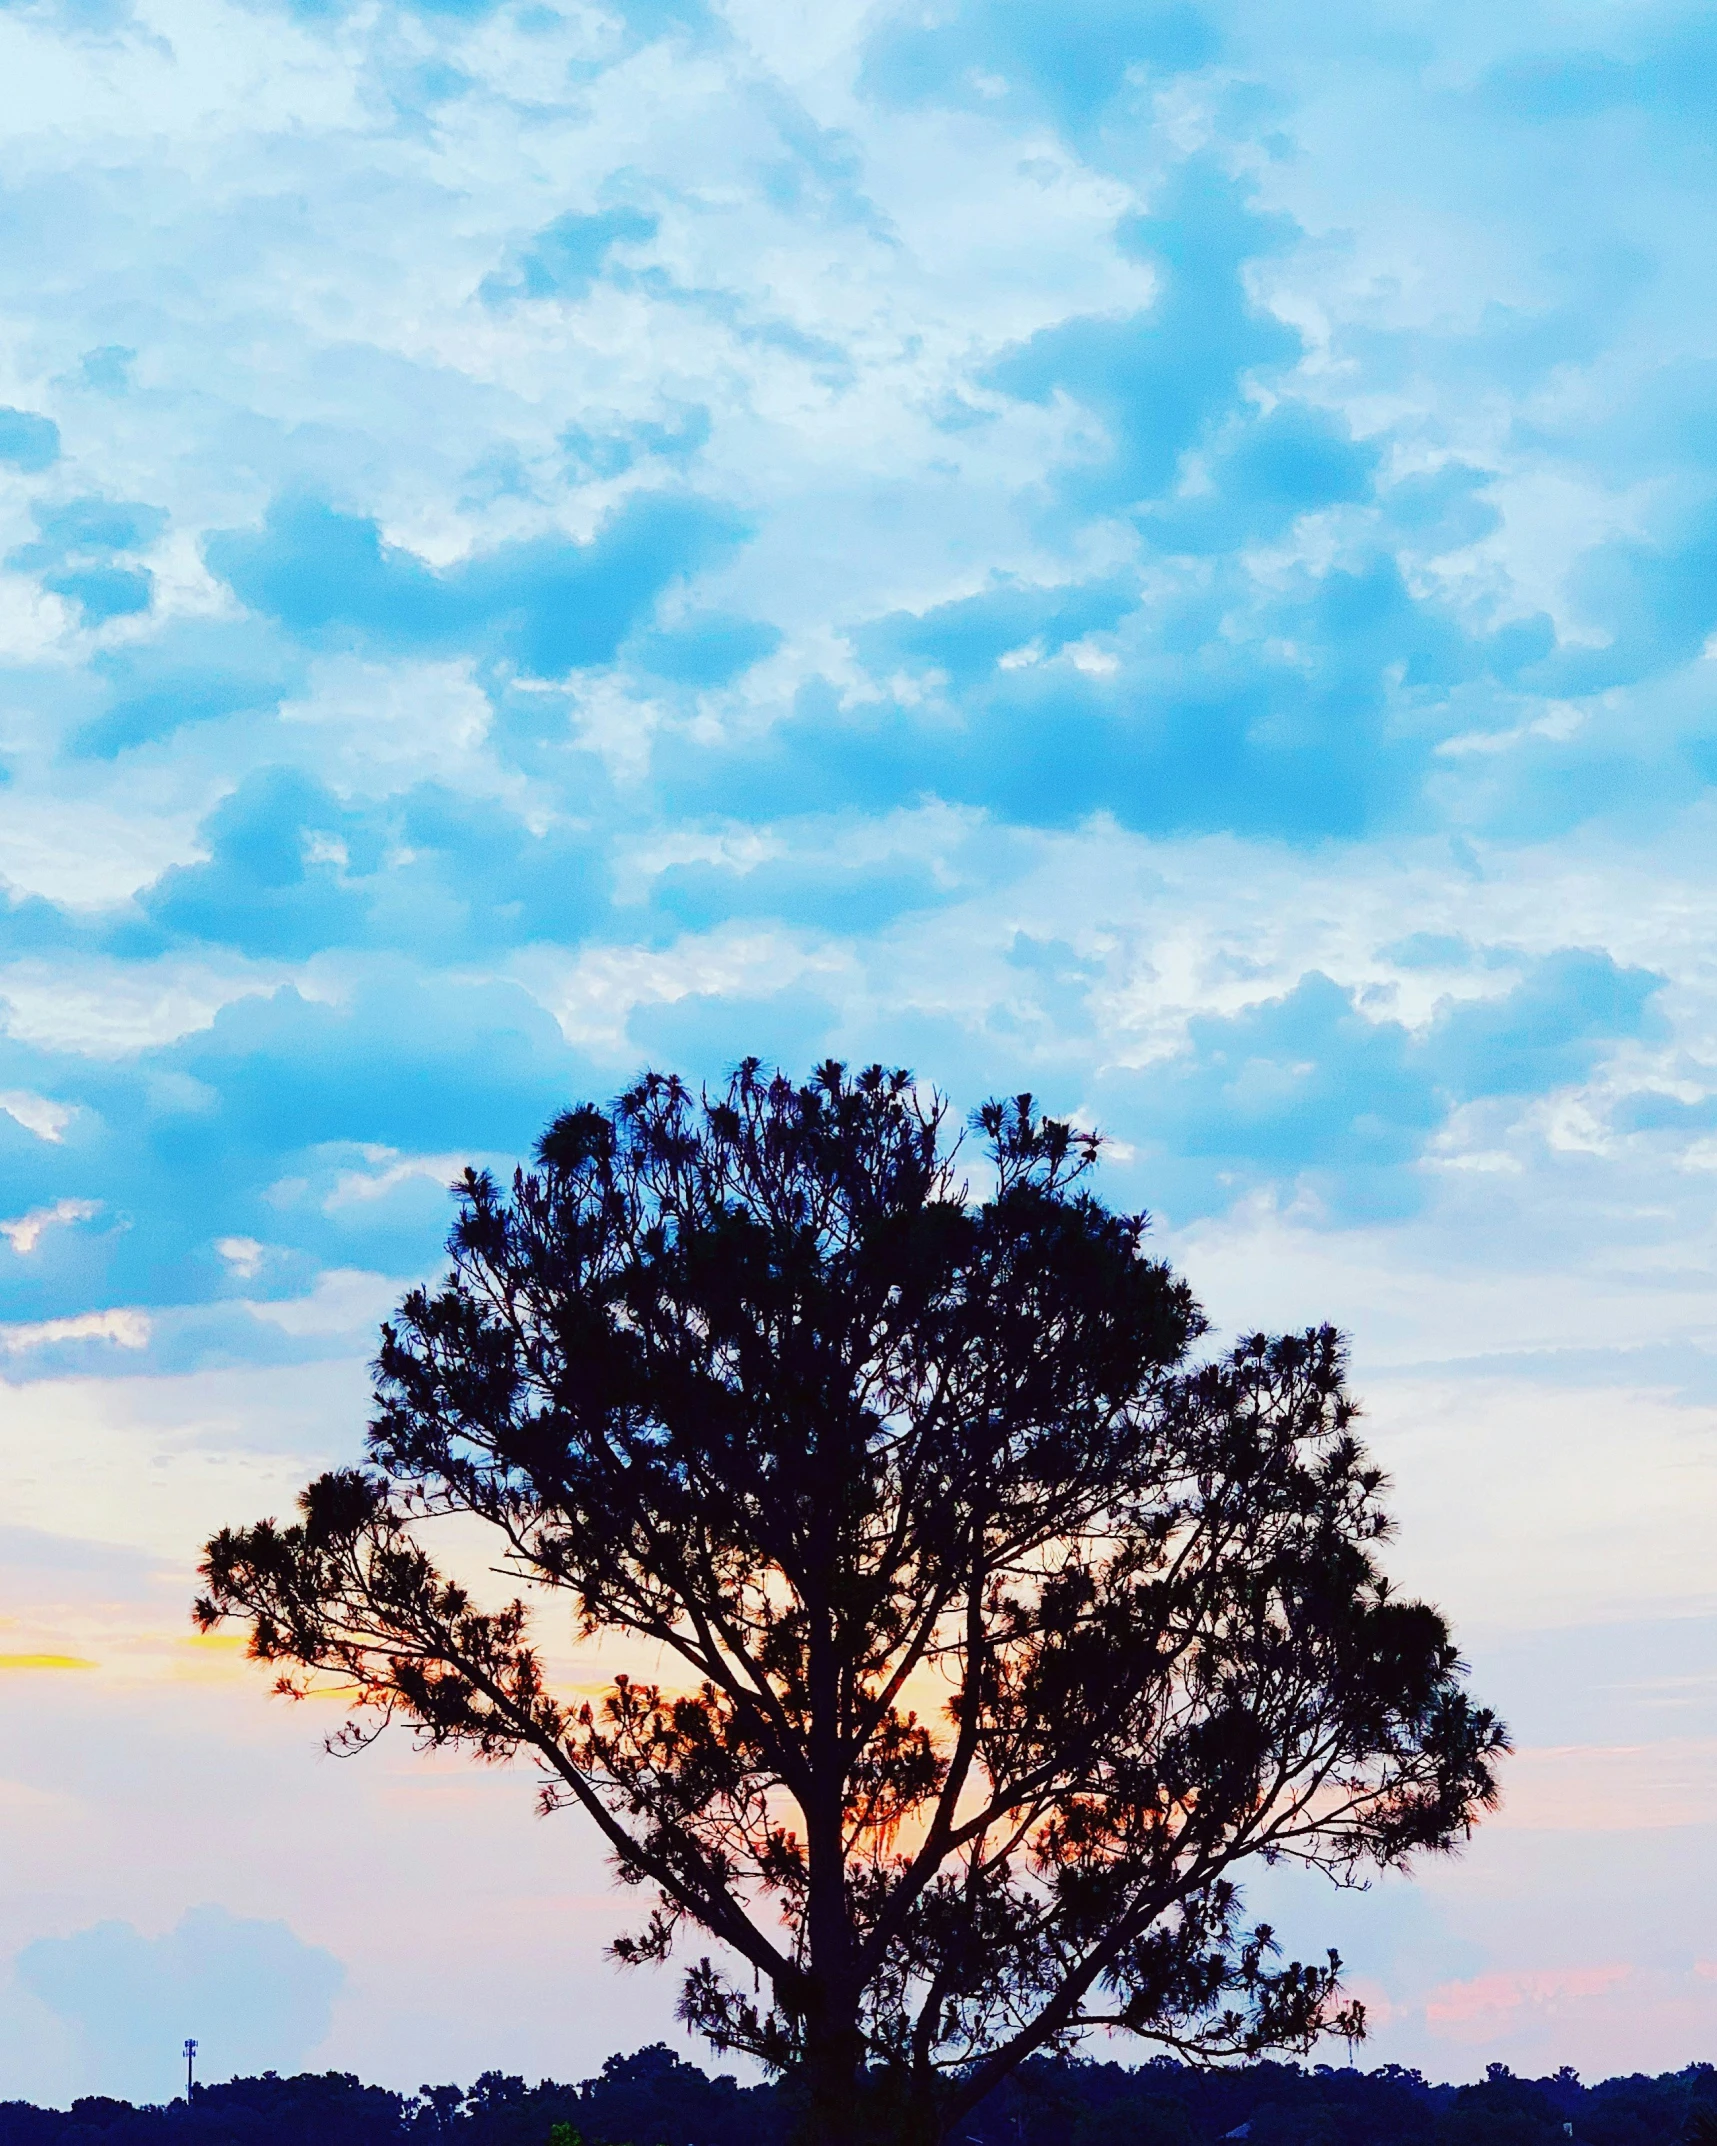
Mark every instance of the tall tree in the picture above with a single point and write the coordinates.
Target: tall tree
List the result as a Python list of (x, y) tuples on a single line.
[(1008, 1627)]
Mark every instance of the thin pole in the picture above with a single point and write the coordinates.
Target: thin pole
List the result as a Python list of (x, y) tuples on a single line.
[(190, 2068)]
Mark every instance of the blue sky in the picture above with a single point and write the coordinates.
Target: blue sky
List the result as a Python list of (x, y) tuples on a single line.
[(1162, 554)]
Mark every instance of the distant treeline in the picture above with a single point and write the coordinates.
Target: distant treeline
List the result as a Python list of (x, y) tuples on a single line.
[(654, 2099)]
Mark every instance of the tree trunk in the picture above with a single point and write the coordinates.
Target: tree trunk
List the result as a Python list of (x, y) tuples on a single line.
[(921, 2123), (834, 2047), (834, 2089)]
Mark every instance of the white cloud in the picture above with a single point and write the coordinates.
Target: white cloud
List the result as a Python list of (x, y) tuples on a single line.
[(110, 1009), (24, 1232), (342, 1301), (37, 1114), (126, 1329), (387, 1171)]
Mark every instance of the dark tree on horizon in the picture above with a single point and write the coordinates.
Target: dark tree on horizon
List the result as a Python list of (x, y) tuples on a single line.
[(1008, 1627)]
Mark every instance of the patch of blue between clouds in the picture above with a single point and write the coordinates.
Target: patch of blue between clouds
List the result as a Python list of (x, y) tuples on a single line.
[(707, 649), (80, 550), (103, 592), (28, 441), (1159, 379), (546, 604), (611, 452), (1261, 474), (107, 368), (661, 18), (1658, 601), (963, 641), (1670, 72), (89, 18), (194, 671), (566, 256), (255, 1996)]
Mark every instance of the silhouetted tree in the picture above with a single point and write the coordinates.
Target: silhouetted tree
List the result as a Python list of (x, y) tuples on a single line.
[(648, 2099), (1007, 1628)]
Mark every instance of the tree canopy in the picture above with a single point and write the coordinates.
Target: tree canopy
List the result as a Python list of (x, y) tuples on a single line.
[(1009, 1621)]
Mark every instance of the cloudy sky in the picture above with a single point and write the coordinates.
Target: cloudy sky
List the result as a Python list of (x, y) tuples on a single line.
[(1166, 554)]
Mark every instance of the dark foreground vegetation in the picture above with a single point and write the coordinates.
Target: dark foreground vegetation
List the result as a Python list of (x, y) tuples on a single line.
[(653, 2099)]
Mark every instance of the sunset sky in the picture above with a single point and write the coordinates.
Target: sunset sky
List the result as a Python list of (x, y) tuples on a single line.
[(1162, 554)]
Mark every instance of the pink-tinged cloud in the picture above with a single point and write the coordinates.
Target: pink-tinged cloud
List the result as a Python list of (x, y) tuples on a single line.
[(1493, 2004), (1611, 1788)]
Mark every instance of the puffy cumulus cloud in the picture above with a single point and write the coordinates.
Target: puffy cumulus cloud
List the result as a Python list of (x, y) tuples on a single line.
[(1313, 1088), (253, 1994), (293, 869), (249, 1130), (1324, 722)]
